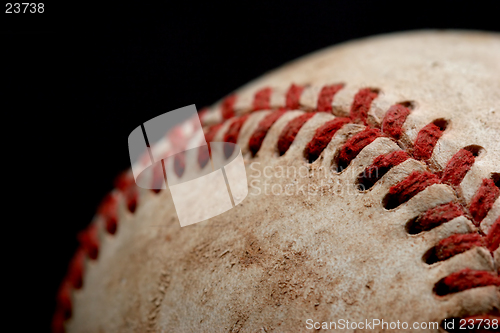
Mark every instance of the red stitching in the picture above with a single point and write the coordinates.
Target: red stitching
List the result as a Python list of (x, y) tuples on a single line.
[(290, 131), (204, 152), (75, 271), (262, 99), (394, 120), (89, 241), (392, 124), (493, 238), (158, 179), (177, 138), (361, 105), (426, 140), (354, 145), (260, 133), (108, 211), (415, 183), (179, 163), (326, 95), (465, 279), (63, 298), (233, 131), (58, 320), (232, 134), (131, 198), (483, 200), (227, 107), (125, 183), (380, 166), (293, 97), (322, 137), (72, 280), (436, 216), (457, 167), (457, 244)]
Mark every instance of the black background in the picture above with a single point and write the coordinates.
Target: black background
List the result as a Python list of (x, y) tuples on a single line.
[(79, 77)]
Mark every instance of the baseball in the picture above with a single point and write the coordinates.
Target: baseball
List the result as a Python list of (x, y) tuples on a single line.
[(373, 178)]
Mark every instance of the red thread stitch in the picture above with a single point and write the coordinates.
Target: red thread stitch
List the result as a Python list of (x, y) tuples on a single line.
[(232, 134), (125, 183), (493, 238), (108, 210), (465, 279), (158, 180), (180, 163), (354, 145), (290, 131), (64, 304), (456, 244), (394, 120), (293, 96), (457, 167), (178, 142), (322, 137), (361, 105), (415, 183), (131, 199), (227, 107), (204, 152), (75, 270), (426, 141), (58, 321), (436, 216), (262, 99), (380, 166), (260, 133), (89, 240), (177, 138), (483, 200), (325, 97)]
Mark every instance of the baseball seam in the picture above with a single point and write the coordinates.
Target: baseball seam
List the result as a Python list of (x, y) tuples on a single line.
[(390, 127)]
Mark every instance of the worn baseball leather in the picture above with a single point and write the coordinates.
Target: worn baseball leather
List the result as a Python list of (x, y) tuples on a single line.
[(317, 247)]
